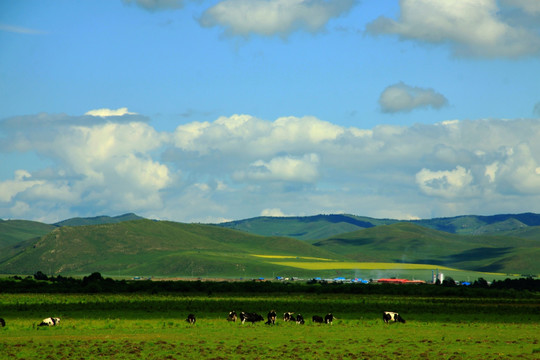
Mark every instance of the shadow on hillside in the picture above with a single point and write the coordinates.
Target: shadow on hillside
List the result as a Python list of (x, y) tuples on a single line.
[(477, 254)]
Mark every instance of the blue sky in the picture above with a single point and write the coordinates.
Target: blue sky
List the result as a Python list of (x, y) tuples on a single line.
[(214, 110)]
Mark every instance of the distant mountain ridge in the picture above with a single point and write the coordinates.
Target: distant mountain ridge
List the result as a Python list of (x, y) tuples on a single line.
[(98, 220), (322, 226)]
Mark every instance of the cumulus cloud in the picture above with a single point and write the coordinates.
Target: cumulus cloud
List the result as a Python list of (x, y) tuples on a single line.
[(401, 97), (156, 5), (241, 166), (283, 168), (446, 183), (21, 182), (104, 112), (275, 212), (472, 27), (273, 17)]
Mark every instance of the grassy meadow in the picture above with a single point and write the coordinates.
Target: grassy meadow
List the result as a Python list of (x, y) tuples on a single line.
[(133, 326)]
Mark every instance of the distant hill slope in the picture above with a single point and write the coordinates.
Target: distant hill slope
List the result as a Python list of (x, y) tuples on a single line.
[(159, 248), (322, 226), (15, 231), (412, 243), (474, 224), (98, 220), (304, 227)]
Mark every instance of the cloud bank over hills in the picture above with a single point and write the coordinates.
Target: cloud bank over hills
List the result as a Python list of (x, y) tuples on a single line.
[(242, 166)]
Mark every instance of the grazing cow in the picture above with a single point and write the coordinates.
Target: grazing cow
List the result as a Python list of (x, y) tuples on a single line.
[(329, 318), (300, 319), (271, 317), (191, 319), (389, 316), (232, 316), (288, 316), (2, 322), (50, 321), (317, 319), (250, 317)]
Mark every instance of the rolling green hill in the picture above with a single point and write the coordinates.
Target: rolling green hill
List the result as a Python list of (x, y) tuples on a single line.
[(305, 227), (288, 246), (322, 226), (98, 220), (411, 243), (158, 248), (15, 231)]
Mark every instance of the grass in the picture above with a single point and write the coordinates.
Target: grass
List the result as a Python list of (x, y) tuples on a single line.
[(360, 265), (153, 327)]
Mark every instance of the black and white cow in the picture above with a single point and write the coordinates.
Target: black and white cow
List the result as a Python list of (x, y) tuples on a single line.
[(2, 322), (191, 319), (329, 318), (271, 317), (51, 321), (288, 316), (317, 319), (232, 316), (250, 317), (389, 316), (300, 319)]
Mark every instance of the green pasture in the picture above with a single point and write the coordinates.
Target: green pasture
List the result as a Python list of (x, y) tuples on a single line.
[(153, 327)]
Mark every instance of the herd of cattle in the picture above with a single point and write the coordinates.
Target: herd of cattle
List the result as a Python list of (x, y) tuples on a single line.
[(289, 317), (253, 318)]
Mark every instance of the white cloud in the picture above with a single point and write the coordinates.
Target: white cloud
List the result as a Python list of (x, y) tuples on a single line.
[(273, 17), (241, 166), (21, 182), (273, 212), (109, 112), (401, 97), (447, 183), (471, 27), (284, 168)]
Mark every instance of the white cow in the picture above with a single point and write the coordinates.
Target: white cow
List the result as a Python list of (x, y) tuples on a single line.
[(50, 321), (389, 316)]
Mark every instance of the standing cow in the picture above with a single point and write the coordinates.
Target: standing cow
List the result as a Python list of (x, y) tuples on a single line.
[(2, 322), (191, 319), (389, 316), (51, 321), (329, 318)]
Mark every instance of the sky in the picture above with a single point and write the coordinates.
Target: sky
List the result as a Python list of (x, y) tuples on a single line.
[(218, 110)]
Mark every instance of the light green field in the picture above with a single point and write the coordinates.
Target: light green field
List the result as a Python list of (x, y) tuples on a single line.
[(153, 327)]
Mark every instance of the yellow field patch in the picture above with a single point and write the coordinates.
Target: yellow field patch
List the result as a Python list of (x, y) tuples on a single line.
[(336, 265)]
